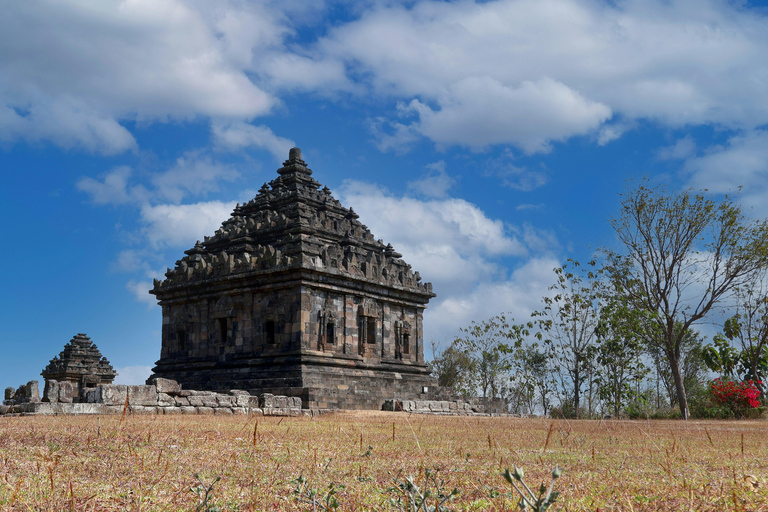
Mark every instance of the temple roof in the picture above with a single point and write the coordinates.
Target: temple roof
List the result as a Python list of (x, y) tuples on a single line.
[(293, 223), (79, 357)]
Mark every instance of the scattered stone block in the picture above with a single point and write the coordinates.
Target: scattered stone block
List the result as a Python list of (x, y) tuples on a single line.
[(164, 385), (51, 391), (32, 391)]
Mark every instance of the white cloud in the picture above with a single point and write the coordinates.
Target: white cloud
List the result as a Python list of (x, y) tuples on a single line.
[(114, 188), (239, 135), (680, 150), (519, 296), (741, 164), (435, 182), (140, 291), (514, 177), (192, 174), (133, 375), (482, 73), (529, 116), (170, 225), (72, 71)]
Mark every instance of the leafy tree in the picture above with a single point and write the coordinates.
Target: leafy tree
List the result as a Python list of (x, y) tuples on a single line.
[(531, 378), (618, 351), (684, 253), (749, 326), (568, 322), (455, 369), (489, 344)]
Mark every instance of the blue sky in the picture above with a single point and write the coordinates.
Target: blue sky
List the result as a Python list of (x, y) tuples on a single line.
[(487, 141)]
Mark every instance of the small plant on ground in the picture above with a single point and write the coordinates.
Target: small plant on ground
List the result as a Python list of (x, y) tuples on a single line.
[(528, 500), (431, 497), (204, 493), (326, 500)]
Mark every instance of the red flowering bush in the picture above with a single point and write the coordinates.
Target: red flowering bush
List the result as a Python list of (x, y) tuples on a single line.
[(737, 396)]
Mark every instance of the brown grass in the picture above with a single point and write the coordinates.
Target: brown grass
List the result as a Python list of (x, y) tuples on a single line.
[(150, 462)]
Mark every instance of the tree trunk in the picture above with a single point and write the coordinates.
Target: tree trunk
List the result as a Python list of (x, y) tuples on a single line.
[(576, 386), (682, 399)]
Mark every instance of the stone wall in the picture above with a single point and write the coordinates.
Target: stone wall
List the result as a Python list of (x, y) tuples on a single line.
[(467, 406), (162, 396)]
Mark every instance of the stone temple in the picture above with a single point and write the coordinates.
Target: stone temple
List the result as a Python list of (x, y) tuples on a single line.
[(81, 365), (294, 296)]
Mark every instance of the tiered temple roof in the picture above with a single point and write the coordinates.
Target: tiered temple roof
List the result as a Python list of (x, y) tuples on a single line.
[(80, 357), (293, 223)]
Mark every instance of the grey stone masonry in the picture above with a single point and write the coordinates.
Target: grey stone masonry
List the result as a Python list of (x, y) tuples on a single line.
[(467, 406), (80, 364), (294, 296), (163, 396)]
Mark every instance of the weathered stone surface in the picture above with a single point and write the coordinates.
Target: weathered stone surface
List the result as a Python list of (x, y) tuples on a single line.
[(51, 391), (66, 392), (142, 395), (185, 409), (164, 399), (205, 410), (164, 385), (81, 364), (32, 391), (181, 400), (112, 394), (9, 393), (293, 296)]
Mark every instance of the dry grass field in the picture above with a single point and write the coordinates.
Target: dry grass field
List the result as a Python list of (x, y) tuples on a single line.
[(150, 462)]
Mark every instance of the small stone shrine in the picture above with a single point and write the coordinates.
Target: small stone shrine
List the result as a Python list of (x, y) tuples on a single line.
[(293, 296), (78, 367)]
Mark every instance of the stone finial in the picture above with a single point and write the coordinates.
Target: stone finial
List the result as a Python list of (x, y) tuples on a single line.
[(294, 164)]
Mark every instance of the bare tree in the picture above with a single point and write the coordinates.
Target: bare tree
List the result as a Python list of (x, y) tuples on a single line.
[(684, 253)]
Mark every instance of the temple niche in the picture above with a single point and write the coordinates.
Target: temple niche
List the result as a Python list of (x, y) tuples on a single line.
[(294, 296)]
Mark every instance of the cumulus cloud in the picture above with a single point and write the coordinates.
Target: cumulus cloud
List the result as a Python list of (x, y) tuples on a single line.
[(140, 291), (114, 187), (435, 182), (483, 73), (179, 225), (518, 295), (72, 71), (740, 164), (529, 116), (239, 135), (192, 174), (513, 72)]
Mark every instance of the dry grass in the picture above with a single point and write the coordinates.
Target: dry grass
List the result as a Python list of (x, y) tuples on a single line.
[(150, 462)]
